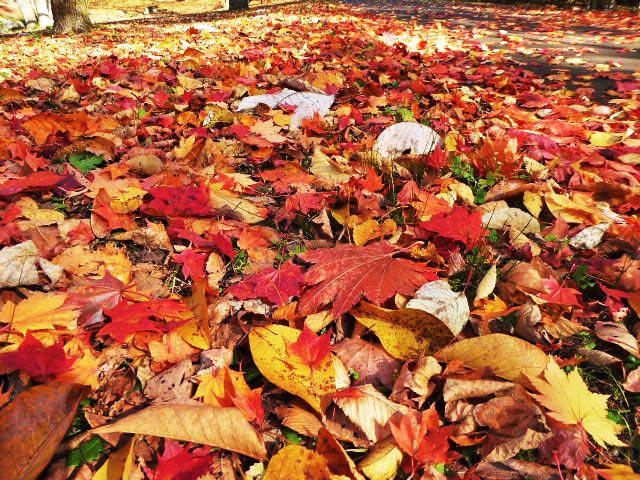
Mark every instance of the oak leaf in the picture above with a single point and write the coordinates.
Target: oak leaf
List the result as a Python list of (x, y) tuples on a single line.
[(344, 274)]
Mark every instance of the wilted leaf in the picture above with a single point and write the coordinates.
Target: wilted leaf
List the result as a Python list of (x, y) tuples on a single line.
[(418, 139), (507, 357), (218, 427), (19, 265), (617, 334), (371, 363), (32, 426), (437, 299), (406, 333), (368, 409)]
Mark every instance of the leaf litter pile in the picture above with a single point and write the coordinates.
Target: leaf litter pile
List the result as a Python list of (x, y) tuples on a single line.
[(313, 244)]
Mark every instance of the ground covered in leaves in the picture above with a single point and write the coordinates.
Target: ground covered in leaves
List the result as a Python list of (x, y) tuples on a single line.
[(313, 242)]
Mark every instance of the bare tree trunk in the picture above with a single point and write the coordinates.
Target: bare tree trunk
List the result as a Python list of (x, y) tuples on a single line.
[(70, 16)]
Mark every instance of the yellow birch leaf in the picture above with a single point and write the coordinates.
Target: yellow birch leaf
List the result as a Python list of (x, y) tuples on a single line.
[(508, 357), (225, 428), (294, 462), (275, 361), (569, 401), (406, 333), (40, 311)]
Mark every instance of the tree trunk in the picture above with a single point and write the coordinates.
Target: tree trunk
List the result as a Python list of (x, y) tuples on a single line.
[(28, 12), (43, 9), (237, 4), (70, 16)]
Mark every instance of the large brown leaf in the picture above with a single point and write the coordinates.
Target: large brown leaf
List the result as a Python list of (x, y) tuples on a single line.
[(220, 427), (33, 425), (344, 274)]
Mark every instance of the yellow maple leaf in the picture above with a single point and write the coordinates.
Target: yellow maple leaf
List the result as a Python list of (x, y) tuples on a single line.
[(569, 401), (40, 311)]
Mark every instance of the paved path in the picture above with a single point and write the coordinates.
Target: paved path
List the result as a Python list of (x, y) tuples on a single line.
[(595, 48)]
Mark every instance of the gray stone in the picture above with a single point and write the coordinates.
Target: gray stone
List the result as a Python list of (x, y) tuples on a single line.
[(7, 25)]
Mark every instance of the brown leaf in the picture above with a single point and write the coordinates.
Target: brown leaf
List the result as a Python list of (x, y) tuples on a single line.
[(32, 426), (219, 427), (372, 364)]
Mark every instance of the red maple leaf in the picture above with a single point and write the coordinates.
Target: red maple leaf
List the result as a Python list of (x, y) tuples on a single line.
[(36, 181), (250, 403), (559, 294), (459, 224), (36, 359), (344, 274), (181, 463), (311, 348), (420, 436), (178, 202), (437, 158), (192, 263), (127, 318), (277, 285)]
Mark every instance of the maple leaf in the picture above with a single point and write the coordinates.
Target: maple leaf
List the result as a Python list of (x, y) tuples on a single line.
[(310, 348), (37, 360), (277, 285), (419, 435), (459, 224), (344, 274), (40, 311), (559, 294), (569, 401), (181, 463), (36, 181), (127, 318), (178, 201), (192, 263)]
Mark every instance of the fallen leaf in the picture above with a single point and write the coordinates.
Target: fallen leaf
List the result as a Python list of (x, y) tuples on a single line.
[(382, 461), (33, 425), (368, 409), (569, 401), (219, 427), (437, 299), (618, 471), (270, 347), (508, 357), (295, 462), (344, 274), (395, 139), (19, 265), (407, 333), (370, 363)]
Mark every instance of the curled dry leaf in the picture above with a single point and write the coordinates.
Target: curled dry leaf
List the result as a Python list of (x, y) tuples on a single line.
[(417, 380), (219, 427), (590, 237), (396, 139), (487, 284), (437, 298), (617, 334), (508, 357), (407, 333), (518, 222), (32, 426), (632, 383), (19, 265)]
